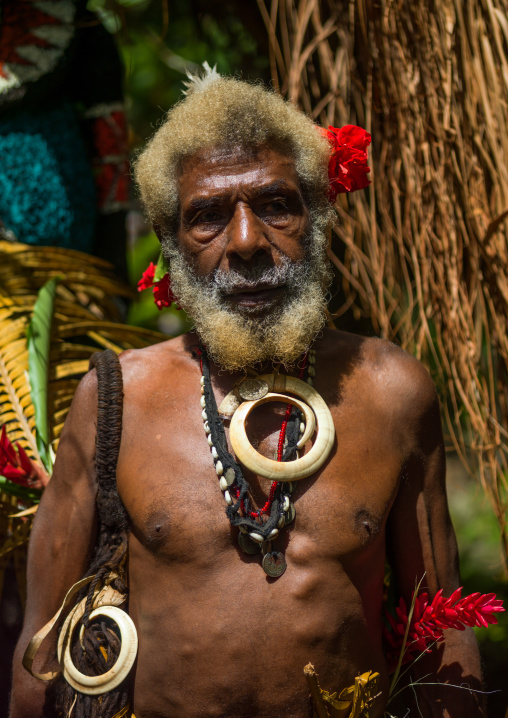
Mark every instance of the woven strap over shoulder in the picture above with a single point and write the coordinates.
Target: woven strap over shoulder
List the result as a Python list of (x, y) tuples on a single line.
[(112, 513)]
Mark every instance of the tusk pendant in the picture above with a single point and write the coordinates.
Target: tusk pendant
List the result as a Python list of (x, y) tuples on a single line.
[(97, 685), (287, 470)]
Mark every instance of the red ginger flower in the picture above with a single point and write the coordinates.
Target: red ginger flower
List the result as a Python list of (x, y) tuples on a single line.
[(162, 292), (347, 169), (430, 619), (17, 466)]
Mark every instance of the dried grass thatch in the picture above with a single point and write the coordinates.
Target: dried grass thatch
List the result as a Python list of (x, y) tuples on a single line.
[(424, 252)]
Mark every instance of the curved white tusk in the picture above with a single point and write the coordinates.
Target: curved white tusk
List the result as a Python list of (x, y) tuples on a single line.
[(310, 421), (285, 470), (96, 685)]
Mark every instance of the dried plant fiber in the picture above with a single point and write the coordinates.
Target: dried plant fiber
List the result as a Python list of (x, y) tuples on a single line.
[(423, 252)]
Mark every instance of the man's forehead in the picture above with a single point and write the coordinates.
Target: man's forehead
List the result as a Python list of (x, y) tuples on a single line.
[(219, 168)]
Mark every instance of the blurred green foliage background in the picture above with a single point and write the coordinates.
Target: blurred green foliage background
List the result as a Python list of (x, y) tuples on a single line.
[(159, 41)]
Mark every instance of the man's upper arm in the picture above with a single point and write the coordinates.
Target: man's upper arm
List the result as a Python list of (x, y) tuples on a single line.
[(62, 539), (421, 539), (422, 545)]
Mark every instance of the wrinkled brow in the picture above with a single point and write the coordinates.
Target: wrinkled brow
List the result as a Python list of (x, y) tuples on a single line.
[(274, 188)]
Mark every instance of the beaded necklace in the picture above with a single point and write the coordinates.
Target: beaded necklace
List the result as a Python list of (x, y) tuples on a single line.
[(258, 528)]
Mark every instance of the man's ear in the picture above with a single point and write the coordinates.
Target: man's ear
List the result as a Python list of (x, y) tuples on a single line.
[(161, 232)]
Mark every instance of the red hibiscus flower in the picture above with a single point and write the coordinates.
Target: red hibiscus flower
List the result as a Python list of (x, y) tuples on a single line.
[(17, 466), (146, 280), (162, 292), (431, 618), (347, 169)]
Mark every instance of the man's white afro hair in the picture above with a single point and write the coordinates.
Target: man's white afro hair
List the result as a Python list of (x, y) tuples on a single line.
[(224, 112)]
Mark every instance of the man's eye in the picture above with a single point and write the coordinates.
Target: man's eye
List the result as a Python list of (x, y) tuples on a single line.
[(209, 217), (276, 206)]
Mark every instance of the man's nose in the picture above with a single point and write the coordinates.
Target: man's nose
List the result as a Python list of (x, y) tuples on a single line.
[(246, 234)]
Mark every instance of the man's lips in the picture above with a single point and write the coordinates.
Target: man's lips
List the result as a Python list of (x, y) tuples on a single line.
[(254, 296)]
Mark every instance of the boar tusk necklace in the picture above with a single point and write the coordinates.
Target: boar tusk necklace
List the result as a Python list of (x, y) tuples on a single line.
[(259, 528)]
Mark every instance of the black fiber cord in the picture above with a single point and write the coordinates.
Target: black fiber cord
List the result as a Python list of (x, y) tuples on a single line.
[(228, 463)]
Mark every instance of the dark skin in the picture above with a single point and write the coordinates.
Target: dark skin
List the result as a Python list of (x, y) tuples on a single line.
[(217, 637)]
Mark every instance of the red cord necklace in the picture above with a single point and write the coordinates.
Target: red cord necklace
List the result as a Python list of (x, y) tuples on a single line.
[(280, 448)]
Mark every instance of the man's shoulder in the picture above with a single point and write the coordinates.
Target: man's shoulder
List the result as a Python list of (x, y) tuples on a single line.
[(163, 359), (385, 372)]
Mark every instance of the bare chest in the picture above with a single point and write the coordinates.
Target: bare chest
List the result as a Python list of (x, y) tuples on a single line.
[(167, 481)]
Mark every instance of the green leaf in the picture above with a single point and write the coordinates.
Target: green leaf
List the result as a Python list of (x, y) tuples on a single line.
[(21, 492), (162, 268), (38, 335)]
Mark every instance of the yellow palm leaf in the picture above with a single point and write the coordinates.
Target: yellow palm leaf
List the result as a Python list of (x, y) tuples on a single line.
[(84, 307)]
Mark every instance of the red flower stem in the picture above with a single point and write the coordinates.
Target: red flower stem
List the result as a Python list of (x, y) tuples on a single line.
[(406, 632)]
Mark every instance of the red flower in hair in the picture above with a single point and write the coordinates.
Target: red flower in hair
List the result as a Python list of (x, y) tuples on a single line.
[(347, 169), (431, 618), (162, 292)]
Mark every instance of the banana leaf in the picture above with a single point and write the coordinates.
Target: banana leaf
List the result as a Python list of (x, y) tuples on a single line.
[(39, 337)]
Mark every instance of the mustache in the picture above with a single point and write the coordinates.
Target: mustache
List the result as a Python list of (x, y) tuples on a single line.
[(247, 278)]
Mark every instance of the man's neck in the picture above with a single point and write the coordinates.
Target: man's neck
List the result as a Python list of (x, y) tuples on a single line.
[(264, 366)]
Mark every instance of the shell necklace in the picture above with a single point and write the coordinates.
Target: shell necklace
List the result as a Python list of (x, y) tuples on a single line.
[(259, 528)]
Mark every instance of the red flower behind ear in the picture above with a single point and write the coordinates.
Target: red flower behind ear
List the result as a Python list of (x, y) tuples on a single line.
[(146, 280), (347, 169), (162, 292)]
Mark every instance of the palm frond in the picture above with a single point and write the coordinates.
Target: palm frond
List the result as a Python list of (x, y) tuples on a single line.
[(85, 319)]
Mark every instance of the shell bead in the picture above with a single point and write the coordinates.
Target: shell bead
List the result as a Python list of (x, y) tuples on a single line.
[(281, 522), (285, 504), (203, 402), (204, 415), (290, 514), (256, 537), (223, 483), (202, 381), (273, 534), (311, 370), (312, 357), (302, 427), (206, 427), (209, 440), (310, 382), (219, 468), (228, 498), (229, 475), (215, 455)]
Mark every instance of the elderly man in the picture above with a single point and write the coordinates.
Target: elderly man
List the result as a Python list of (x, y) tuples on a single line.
[(242, 569)]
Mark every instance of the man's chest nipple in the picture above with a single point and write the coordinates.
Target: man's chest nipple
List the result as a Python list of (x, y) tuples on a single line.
[(177, 507)]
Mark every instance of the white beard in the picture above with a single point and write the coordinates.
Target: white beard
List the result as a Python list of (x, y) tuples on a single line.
[(232, 338)]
